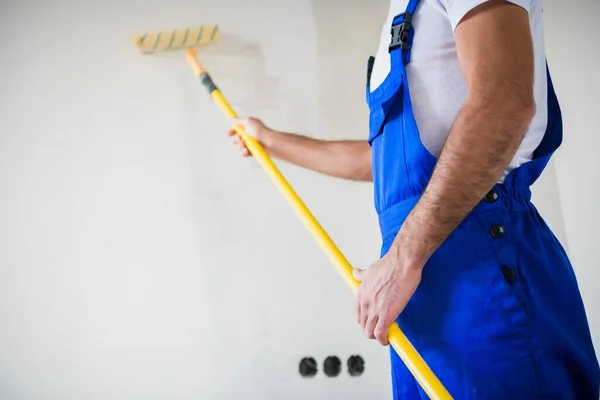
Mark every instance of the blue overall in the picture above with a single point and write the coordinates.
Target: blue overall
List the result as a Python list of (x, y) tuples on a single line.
[(498, 313)]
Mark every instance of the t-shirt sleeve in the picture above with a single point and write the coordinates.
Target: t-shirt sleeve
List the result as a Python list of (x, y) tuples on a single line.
[(457, 9)]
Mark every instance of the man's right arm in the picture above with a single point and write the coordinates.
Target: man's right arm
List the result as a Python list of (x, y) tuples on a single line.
[(347, 159)]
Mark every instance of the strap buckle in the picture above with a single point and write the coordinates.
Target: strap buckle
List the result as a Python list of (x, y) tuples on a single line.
[(400, 32)]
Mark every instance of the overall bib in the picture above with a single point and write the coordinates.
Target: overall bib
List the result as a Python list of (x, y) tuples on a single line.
[(498, 313)]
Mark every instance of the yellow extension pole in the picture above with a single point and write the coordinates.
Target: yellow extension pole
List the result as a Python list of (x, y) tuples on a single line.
[(417, 366)]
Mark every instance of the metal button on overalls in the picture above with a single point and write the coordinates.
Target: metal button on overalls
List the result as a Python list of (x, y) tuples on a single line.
[(509, 274), (492, 196), (497, 231)]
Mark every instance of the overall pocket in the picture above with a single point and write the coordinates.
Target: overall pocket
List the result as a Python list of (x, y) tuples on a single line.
[(380, 109), (386, 138), (497, 257)]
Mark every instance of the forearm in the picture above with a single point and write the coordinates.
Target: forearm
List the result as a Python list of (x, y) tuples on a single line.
[(481, 143), (498, 66), (342, 159)]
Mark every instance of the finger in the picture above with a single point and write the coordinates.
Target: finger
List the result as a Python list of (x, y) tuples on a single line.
[(236, 139), (370, 327), (241, 145), (381, 331), (358, 274), (231, 132), (364, 313), (244, 152)]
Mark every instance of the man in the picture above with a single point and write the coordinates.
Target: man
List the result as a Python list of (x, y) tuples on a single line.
[(463, 119)]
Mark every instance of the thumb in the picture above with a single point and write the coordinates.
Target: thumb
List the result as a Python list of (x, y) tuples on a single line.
[(358, 274)]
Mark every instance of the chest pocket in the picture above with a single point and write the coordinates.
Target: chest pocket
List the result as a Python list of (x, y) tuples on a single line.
[(386, 138), (382, 110)]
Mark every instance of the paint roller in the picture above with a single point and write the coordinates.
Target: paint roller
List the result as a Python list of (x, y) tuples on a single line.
[(209, 34), (178, 39)]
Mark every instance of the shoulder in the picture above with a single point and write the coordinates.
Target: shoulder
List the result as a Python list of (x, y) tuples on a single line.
[(457, 9)]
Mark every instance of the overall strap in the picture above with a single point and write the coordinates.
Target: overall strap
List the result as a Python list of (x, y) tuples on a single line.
[(403, 31)]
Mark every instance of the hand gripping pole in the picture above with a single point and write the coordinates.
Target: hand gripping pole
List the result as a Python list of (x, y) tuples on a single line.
[(409, 355)]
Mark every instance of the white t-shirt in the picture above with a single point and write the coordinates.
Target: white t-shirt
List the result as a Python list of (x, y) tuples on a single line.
[(437, 86)]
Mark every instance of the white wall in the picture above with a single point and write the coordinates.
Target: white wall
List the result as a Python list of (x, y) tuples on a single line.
[(572, 33), (141, 258)]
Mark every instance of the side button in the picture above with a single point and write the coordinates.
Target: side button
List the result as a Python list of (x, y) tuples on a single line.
[(509, 274)]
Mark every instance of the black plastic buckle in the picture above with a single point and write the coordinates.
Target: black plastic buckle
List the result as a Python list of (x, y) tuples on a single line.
[(400, 32)]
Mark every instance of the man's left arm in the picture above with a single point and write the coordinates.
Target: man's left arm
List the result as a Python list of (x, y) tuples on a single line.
[(496, 57)]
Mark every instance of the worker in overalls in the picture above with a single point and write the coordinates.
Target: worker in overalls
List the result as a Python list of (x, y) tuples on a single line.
[(463, 120)]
